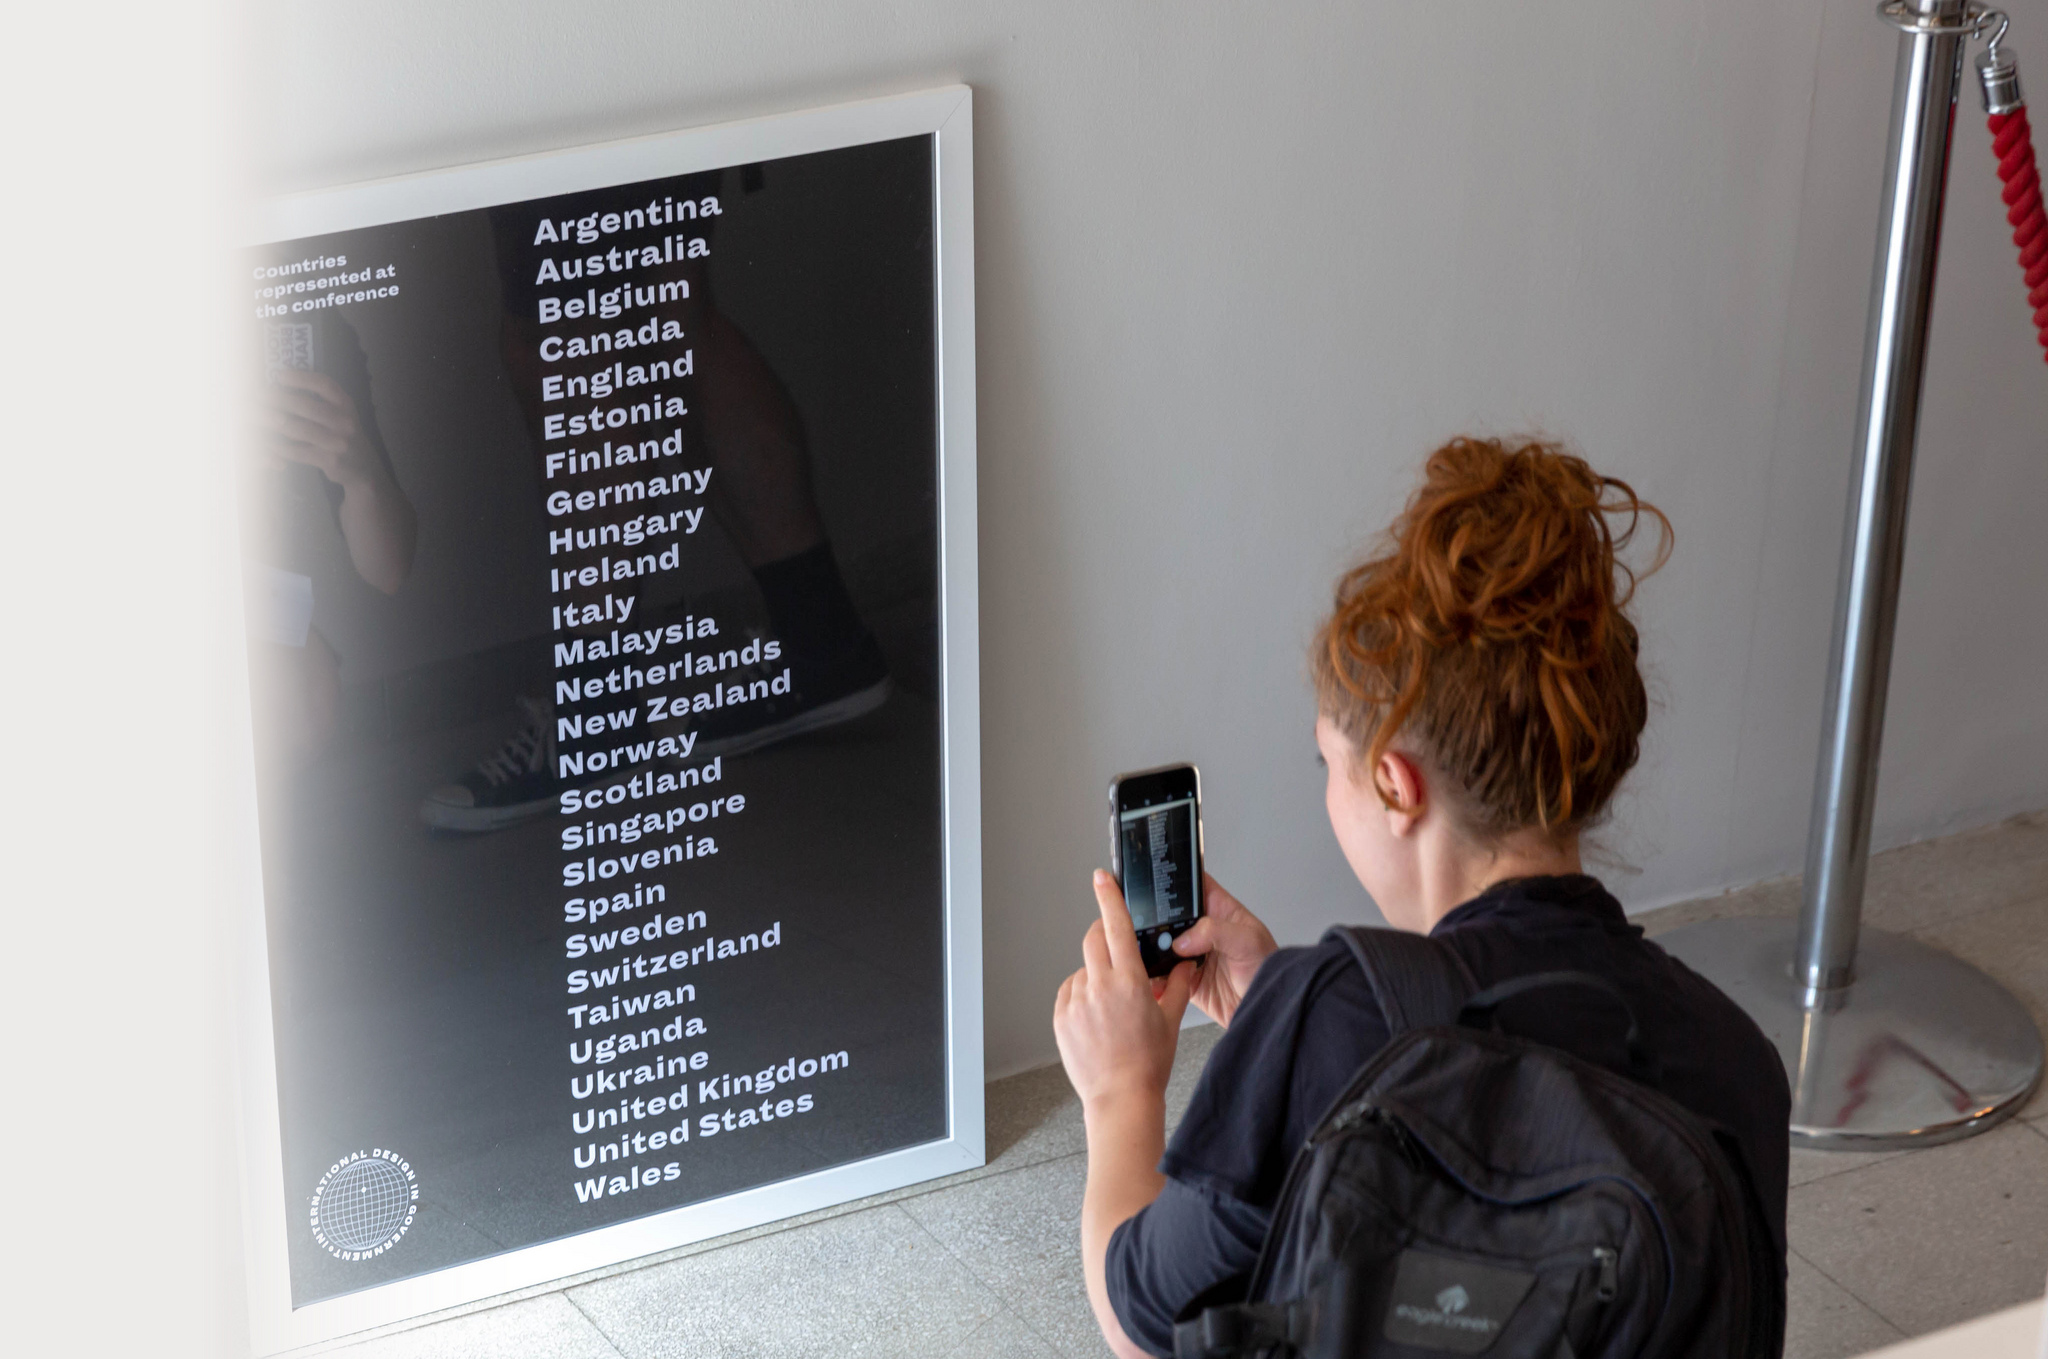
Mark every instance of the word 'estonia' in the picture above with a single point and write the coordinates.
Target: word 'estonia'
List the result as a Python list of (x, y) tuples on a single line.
[(600, 418)]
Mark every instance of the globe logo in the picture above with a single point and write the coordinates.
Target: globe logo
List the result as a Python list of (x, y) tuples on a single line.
[(364, 1204)]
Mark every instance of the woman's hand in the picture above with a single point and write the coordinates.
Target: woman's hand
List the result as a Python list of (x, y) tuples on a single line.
[(1234, 941), (307, 417), (1115, 1036)]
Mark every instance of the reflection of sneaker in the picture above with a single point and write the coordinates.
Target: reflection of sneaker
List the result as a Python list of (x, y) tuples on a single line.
[(514, 785), (821, 695)]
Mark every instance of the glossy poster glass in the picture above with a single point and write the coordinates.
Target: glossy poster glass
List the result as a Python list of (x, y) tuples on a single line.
[(593, 577)]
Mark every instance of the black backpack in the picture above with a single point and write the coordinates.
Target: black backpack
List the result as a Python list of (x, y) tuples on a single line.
[(1476, 1193)]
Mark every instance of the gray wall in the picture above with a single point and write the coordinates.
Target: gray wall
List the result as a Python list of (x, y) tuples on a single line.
[(1240, 266)]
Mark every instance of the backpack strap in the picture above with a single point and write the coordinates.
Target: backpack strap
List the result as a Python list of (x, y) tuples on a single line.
[(1419, 982)]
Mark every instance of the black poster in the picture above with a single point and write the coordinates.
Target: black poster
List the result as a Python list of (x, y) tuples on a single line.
[(593, 591)]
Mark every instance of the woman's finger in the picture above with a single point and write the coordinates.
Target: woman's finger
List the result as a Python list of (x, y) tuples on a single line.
[(309, 406), (1217, 903), (1180, 988), (319, 384), (1196, 939), (1116, 924), (1095, 949)]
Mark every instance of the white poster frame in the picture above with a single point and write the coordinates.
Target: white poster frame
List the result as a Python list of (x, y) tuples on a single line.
[(947, 115)]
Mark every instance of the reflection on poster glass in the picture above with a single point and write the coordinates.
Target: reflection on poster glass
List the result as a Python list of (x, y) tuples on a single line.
[(593, 591)]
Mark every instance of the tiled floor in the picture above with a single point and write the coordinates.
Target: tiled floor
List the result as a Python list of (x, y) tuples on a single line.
[(986, 1263)]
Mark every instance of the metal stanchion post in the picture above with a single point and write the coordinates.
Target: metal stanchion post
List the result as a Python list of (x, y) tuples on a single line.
[(1888, 1042)]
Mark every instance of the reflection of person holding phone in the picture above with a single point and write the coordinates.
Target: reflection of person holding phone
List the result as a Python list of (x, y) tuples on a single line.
[(322, 469), (307, 418), (1479, 703)]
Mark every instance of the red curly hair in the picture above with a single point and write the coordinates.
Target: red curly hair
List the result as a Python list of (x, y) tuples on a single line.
[(1491, 636)]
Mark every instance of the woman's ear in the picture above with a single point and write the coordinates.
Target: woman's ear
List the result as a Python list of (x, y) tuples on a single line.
[(1401, 783)]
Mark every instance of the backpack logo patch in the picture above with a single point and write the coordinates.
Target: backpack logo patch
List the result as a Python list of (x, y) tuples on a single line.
[(1453, 1305)]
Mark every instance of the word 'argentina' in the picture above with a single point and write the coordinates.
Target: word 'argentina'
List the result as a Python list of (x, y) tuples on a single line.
[(664, 211)]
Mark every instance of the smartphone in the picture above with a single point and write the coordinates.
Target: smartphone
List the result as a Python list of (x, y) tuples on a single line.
[(287, 344), (1155, 850)]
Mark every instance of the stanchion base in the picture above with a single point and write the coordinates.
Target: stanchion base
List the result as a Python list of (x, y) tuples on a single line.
[(1922, 1049)]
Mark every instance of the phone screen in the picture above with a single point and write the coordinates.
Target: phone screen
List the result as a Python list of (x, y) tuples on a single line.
[(1155, 828), (1158, 858)]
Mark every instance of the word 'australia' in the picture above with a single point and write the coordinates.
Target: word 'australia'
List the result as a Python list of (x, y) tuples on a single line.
[(617, 261)]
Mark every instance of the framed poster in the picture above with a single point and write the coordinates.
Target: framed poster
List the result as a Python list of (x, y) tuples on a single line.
[(610, 580)]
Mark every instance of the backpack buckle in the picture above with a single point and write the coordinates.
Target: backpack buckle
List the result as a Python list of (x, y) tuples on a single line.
[(1240, 1328)]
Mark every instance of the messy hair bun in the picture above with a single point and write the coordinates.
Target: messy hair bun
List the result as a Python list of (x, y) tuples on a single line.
[(1490, 635)]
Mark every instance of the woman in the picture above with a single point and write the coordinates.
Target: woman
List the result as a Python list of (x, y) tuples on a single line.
[(1479, 703)]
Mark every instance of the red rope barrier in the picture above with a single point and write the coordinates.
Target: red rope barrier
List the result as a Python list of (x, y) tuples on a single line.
[(2012, 141)]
